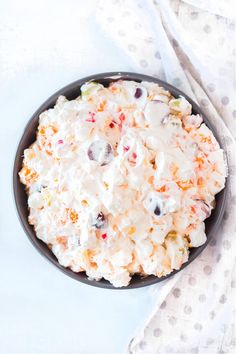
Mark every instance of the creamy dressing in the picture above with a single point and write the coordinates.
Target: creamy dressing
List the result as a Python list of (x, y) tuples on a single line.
[(121, 179)]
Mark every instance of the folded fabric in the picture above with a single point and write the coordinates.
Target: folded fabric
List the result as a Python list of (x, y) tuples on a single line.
[(192, 45)]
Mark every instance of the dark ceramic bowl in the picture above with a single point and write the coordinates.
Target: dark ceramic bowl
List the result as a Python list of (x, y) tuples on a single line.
[(71, 92)]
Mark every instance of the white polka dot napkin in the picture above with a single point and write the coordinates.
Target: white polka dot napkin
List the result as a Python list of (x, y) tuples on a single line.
[(192, 45)]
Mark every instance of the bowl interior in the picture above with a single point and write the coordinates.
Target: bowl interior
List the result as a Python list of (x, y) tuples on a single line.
[(71, 92)]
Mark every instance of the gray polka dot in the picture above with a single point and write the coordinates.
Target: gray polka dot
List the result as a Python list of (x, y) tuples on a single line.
[(218, 258), (226, 273), (157, 55), (126, 13), (233, 199), (223, 299), (212, 315), (121, 33), (177, 81), (143, 63), (202, 298), (192, 281), (207, 270), (142, 344), (194, 350), (176, 292), (207, 29), (226, 215), (233, 284), (198, 326), (187, 310), (225, 100), (211, 87), (209, 341), (226, 244), (132, 47), (204, 102), (163, 305), (234, 114), (212, 243), (194, 15), (234, 52), (172, 320), (110, 19), (232, 26), (183, 338), (157, 332), (232, 170)]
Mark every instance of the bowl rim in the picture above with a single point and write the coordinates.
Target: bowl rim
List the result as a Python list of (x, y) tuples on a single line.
[(50, 102)]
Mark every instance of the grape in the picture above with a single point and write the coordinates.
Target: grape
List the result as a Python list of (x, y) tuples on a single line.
[(100, 151)]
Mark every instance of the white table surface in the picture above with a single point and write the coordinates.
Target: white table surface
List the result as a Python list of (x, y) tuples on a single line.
[(44, 46)]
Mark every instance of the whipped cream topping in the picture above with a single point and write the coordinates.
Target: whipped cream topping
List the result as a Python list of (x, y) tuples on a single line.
[(121, 179)]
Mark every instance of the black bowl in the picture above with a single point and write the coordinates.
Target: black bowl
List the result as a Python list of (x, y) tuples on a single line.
[(71, 92)]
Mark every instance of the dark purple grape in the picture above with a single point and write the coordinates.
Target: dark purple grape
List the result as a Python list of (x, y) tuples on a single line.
[(99, 221), (101, 152), (90, 153), (157, 211), (138, 92)]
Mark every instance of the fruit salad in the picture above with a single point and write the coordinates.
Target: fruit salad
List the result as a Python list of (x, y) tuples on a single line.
[(121, 179)]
